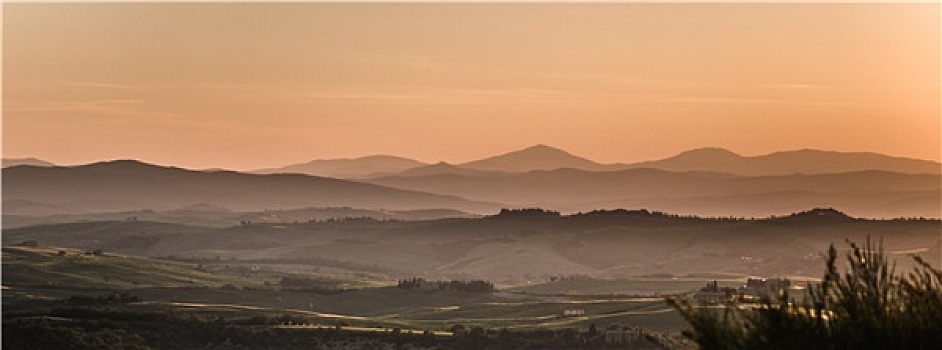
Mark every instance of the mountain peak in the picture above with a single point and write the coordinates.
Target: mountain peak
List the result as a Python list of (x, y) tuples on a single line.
[(537, 157), (374, 157), (542, 148), (128, 166), (711, 153), (121, 163)]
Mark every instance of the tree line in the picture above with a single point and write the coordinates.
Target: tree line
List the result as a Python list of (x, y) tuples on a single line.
[(478, 286)]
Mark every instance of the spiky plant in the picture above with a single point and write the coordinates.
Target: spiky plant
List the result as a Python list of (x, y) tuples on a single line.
[(869, 306)]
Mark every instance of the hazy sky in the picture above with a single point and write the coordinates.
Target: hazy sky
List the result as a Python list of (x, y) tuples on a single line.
[(248, 86)]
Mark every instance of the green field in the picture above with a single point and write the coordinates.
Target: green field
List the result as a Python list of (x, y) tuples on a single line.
[(62, 267), (42, 279), (623, 286)]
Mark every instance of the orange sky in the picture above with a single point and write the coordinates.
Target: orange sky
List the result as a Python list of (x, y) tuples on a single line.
[(248, 86)]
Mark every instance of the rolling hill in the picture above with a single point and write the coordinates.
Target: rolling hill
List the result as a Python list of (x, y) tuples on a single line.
[(806, 161), (863, 193), (438, 169), (539, 157), (347, 168), (128, 185), (63, 267), (513, 248)]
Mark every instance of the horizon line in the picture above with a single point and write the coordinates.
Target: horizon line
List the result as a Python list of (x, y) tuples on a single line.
[(425, 162)]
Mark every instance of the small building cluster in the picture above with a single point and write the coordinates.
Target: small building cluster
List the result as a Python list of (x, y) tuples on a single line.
[(758, 288), (714, 294), (755, 289)]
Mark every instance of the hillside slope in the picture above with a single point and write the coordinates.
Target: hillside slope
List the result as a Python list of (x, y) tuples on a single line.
[(347, 168), (125, 185), (513, 249), (539, 157), (805, 161)]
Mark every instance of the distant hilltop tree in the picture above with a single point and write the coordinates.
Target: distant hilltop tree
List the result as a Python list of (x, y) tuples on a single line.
[(817, 215), (621, 212), (527, 213)]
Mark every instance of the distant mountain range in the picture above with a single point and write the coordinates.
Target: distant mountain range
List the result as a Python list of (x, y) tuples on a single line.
[(806, 161), (128, 185), (542, 157), (708, 182)]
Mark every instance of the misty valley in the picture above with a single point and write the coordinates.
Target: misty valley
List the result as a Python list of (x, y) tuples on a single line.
[(535, 249), (455, 175)]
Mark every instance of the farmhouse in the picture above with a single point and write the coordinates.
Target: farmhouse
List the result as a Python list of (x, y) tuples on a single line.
[(713, 294), (573, 312), (755, 288)]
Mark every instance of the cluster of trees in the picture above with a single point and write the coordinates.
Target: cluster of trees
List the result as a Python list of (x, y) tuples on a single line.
[(870, 306), (527, 213), (539, 213), (478, 286), (816, 214)]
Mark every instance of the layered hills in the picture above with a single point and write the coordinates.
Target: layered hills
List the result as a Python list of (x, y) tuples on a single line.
[(707, 182), (805, 161), (543, 157), (125, 185), (864, 193)]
